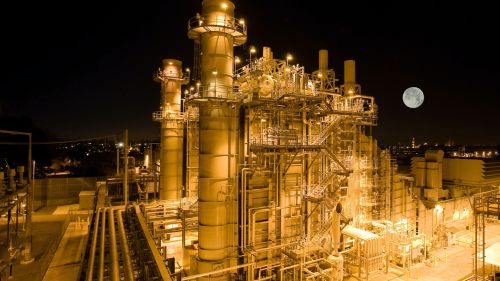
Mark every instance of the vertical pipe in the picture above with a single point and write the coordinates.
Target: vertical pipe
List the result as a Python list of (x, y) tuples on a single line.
[(115, 269), (102, 252), (125, 167), (29, 206), (117, 160), (336, 228), (90, 266), (172, 131)]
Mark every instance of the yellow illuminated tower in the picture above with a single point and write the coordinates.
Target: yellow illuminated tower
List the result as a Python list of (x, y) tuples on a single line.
[(217, 32)]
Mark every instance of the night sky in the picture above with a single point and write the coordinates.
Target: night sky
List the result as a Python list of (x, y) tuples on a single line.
[(84, 69)]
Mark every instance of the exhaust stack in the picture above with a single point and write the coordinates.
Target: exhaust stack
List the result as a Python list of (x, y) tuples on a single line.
[(218, 32), (171, 162)]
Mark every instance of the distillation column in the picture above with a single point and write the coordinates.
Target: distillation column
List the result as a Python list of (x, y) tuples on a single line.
[(171, 174), (218, 32)]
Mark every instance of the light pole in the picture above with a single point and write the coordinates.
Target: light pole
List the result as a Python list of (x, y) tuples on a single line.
[(289, 58), (118, 145), (236, 61), (198, 88), (252, 51)]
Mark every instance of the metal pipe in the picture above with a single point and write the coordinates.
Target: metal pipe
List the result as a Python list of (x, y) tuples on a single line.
[(191, 277), (244, 173), (115, 269), (100, 276), (127, 267), (90, 266)]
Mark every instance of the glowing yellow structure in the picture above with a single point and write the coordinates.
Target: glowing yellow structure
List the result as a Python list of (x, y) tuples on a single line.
[(269, 172), (171, 78), (283, 156)]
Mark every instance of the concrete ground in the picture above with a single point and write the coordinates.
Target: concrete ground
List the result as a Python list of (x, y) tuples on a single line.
[(48, 229), (48, 225), (65, 264), (454, 263)]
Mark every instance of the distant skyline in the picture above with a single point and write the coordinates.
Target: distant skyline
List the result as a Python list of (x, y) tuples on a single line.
[(87, 71)]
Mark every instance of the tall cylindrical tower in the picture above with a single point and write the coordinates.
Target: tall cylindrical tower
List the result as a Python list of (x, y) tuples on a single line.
[(171, 174), (218, 32), (323, 60), (350, 77)]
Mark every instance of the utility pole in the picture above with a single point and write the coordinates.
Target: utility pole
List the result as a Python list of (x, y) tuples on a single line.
[(125, 167)]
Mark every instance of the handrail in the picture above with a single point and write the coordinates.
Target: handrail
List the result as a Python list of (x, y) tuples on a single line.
[(224, 21)]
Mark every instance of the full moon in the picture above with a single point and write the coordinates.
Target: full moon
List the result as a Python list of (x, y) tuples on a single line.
[(413, 97)]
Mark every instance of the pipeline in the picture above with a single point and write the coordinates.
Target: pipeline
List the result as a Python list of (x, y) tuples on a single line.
[(115, 268), (90, 268), (100, 276), (129, 275)]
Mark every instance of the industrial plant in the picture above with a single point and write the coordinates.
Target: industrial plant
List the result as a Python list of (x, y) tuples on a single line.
[(270, 172)]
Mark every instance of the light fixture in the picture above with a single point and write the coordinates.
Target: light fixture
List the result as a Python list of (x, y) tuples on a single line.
[(237, 59), (242, 21), (320, 75), (438, 208), (214, 72), (253, 50), (188, 70), (289, 57), (224, 6), (170, 63)]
